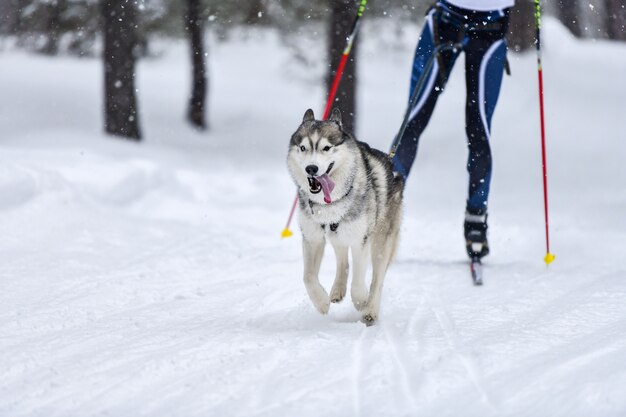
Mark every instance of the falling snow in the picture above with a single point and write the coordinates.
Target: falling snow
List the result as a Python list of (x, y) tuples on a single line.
[(150, 279)]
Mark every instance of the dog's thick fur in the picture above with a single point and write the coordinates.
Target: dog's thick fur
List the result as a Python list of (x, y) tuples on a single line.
[(363, 215)]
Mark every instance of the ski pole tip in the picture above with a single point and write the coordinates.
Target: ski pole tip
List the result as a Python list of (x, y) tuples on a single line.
[(286, 233), (549, 258)]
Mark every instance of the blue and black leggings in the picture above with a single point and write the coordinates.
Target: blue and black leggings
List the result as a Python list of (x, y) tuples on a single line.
[(482, 34)]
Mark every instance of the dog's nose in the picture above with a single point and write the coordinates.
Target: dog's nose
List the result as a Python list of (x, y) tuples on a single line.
[(311, 169)]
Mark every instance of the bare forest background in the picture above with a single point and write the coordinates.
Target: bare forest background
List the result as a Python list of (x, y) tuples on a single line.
[(121, 32)]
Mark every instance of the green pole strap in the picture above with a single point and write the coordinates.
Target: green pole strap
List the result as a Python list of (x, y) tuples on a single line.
[(538, 23), (361, 8), (538, 13)]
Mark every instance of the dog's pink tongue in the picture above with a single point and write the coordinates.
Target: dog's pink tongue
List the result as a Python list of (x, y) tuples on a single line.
[(327, 186)]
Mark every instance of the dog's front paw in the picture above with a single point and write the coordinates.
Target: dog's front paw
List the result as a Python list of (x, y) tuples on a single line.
[(337, 293), (320, 299), (369, 314), (322, 305), (369, 318)]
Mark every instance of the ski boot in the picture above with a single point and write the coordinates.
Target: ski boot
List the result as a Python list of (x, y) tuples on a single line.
[(475, 228)]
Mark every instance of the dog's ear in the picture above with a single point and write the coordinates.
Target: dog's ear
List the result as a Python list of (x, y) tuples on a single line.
[(335, 116), (308, 116)]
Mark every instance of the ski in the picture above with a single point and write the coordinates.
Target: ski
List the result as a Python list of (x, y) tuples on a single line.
[(477, 271)]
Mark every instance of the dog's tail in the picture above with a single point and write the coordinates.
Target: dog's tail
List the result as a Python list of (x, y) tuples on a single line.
[(398, 182), (395, 204)]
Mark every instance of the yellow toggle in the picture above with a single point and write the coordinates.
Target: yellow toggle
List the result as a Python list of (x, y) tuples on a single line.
[(549, 258), (286, 233)]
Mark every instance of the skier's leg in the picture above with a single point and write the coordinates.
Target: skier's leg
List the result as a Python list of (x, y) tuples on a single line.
[(484, 67), (433, 86)]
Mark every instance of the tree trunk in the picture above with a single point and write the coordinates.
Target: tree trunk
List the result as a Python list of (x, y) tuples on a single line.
[(342, 16), (120, 41), (569, 13), (9, 17), (257, 12), (522, 28), (615, 19), (197, 100), (50, 30)]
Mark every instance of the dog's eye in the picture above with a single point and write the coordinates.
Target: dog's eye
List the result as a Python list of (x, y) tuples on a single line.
[(326, 148), (302, 148)]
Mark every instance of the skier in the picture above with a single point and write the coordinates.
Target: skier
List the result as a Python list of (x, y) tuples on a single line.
[(480, 26)]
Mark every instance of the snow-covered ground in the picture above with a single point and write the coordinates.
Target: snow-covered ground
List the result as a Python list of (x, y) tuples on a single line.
[(150, 280)]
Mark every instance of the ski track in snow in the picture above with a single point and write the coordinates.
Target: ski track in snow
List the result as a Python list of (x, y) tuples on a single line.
[(452, 339), (150, 280), (357, 365)]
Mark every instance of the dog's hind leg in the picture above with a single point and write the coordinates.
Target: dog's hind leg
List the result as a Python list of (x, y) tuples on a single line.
[(383, 250), (338, 290), (360, 261), (313, 252)]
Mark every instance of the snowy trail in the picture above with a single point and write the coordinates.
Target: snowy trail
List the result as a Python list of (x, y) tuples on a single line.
[(150, 280)]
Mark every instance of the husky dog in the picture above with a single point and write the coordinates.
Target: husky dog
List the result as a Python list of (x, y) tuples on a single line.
[(349, 195)]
